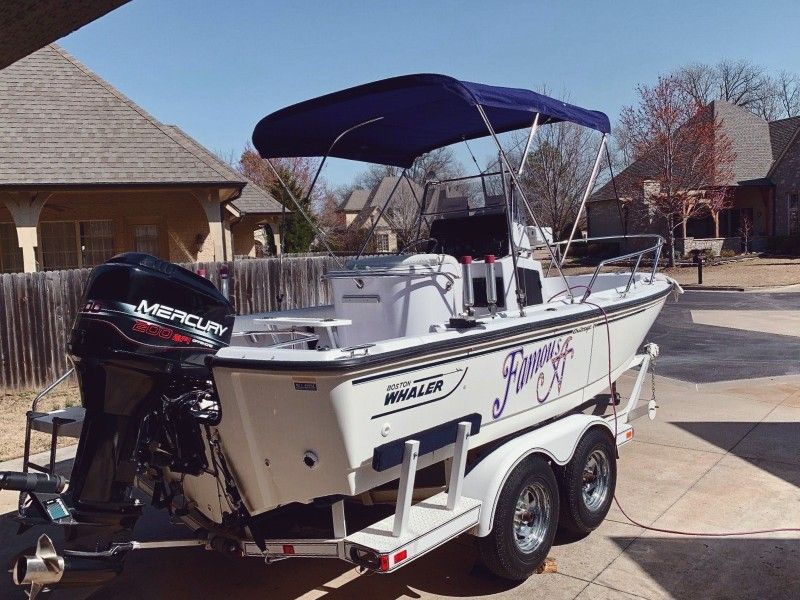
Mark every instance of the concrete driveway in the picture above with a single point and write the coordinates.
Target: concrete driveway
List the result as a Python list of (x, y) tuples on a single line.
[(721, 456), (696, 347)]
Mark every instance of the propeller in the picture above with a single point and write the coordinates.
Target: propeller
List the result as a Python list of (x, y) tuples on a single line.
[(43, 568)]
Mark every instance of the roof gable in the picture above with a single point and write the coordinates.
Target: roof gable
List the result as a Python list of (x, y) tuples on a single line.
[(60, 124), (750, 142), (756, 143)]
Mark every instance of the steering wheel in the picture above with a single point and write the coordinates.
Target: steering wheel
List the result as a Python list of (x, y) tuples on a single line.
[(418, 241)]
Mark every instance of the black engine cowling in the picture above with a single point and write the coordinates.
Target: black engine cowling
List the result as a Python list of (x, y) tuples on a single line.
[(141, 336)]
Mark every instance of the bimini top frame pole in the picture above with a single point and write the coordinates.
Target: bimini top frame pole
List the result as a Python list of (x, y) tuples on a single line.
[(380, 214), (588, 191), (323, 237), (515, 179)]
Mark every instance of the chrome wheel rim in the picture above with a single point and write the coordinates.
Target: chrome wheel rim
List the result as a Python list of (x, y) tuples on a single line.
[(596, 480), (532, 517)]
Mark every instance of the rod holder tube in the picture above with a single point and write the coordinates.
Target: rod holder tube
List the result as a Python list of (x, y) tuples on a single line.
[(491, 286), (469, 289)]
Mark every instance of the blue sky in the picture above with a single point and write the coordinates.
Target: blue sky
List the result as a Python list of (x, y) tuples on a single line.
[(216, 68)]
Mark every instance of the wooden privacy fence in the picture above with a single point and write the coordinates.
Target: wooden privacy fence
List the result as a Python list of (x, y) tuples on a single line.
[(37, 310)]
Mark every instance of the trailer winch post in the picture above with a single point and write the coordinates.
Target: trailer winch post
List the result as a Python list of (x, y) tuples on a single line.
[(458, 466), (408, 473), (339, 523)]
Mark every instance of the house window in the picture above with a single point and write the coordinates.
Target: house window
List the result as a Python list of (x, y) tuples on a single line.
[(794, 214), (58, 243), (145, 239), (10, 252), (97, 242), (382, 242), (75, 244)]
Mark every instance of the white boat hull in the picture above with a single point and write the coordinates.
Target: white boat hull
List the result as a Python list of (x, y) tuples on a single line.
[(296, 435)]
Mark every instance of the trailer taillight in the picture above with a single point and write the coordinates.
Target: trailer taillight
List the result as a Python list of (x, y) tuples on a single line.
[(288, 549)]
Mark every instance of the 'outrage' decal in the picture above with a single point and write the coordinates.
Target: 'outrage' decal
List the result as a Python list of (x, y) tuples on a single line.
[(544, 365)]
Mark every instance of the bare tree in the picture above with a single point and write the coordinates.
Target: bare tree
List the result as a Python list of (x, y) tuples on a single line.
[(557, 172), (746, 232), (438, 164), (788, 91), (743, 83), (681, 153), (716, 199), (699, 81)]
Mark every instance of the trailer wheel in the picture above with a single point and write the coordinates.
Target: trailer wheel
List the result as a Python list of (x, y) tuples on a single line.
[(588, 482), (525, 521)]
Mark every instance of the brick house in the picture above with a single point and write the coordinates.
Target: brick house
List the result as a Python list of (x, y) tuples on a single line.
[(85, 173), (764, 187), (363, 206)]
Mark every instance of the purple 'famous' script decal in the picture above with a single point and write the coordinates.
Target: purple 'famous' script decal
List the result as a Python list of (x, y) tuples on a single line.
[(520, 368)]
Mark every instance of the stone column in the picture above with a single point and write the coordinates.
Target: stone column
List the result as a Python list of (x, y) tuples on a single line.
[(25, 209)]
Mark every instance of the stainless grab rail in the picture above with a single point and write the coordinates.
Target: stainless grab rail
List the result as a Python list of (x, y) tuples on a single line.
[(655, 249), (51, 387)]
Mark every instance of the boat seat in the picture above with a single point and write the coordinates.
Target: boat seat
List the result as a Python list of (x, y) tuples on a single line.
[(69, 421), (393, 296)]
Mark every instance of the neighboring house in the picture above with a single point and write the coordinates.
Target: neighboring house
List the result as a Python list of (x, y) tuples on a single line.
[(85, 173), (363, 207), (764, 187)]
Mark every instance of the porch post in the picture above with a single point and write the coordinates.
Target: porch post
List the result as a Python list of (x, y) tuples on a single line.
[(25, 210), (209, 200), (768, 198)]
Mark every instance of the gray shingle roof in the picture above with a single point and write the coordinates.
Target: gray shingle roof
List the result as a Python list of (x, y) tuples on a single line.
[(254, 199), (750, 140), (60, 124), (356, 201), (756, 143), (781, 133)]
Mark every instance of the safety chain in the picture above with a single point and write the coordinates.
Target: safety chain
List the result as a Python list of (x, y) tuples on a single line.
[(653, 379)]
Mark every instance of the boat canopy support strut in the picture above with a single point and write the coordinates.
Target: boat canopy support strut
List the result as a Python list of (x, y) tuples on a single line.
[(517, 184)]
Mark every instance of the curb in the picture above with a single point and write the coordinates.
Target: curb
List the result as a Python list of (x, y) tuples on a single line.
[(712, 288), (62, 454)]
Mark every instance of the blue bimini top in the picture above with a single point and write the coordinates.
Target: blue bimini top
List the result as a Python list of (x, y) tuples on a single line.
[(411, 115)]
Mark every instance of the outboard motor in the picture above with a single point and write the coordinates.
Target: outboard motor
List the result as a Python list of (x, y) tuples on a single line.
[(139, 345)]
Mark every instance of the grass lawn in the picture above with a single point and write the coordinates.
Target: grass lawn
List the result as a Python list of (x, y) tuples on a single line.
[(752, 273), (16, 404), (755, 273)]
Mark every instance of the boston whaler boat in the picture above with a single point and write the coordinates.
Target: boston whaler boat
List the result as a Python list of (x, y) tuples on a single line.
[(461, 353)]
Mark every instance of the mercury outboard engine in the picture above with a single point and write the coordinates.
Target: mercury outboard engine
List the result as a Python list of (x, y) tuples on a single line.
[(139, 345)]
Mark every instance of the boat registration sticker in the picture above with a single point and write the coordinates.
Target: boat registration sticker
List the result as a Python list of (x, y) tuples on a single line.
[(305, 385)]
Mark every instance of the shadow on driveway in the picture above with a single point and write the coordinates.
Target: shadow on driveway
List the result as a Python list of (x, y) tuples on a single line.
[(704, 353)]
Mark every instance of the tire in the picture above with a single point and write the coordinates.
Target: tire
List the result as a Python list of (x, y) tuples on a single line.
[(588, 482), (511, 550)]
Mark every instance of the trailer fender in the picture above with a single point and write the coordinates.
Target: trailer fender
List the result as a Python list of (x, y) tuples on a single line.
[(557, 441)]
